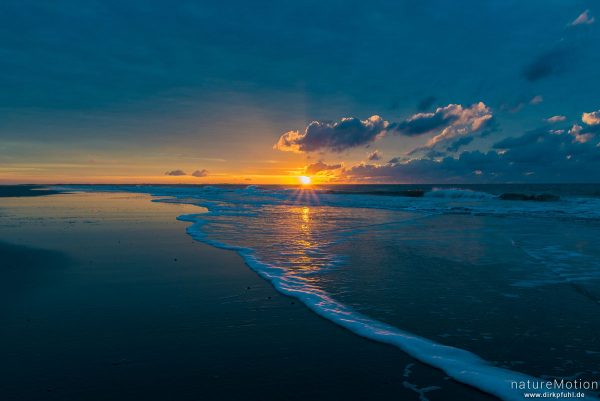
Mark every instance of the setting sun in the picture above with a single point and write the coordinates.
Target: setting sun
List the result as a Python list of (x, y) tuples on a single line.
[(305, 180)]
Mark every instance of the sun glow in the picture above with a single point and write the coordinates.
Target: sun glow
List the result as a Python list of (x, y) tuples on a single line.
[(305, 180)]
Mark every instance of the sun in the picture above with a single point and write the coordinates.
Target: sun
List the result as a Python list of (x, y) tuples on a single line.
[(305, 180)]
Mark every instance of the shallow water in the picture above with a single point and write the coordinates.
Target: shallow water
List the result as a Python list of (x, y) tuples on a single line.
[(512, 282)]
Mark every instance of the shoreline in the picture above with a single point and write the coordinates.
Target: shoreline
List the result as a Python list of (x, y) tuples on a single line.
[(144, 303)]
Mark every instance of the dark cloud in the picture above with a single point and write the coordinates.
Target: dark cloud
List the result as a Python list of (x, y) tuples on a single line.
[(320, 166), (538, 156), (426, 103), (423, 123), (374, 156), (200, 173), (464, 141), (335, 137), (551, 62), (176, 172)]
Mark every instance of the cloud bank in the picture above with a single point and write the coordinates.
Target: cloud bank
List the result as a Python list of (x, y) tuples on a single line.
[(541, 155)]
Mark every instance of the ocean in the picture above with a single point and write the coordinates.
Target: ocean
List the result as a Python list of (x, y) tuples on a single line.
[(493, 284)]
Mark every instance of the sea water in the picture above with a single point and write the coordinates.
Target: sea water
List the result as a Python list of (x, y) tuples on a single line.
[(493, 284)]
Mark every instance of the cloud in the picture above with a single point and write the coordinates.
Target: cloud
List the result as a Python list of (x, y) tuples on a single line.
[(584, 19), (556, 119), (468, 120), (336, 137), (451, 121), (176, 173), (374, 156), (592, 118), (423, 123), (551, 62), (540, 155), (536, 99), (320, 166), (200, 173), (464, 141)]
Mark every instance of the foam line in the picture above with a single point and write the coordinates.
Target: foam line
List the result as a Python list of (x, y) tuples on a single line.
[(461, 365)]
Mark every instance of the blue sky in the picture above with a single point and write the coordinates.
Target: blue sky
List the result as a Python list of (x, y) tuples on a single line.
[(131, 89)]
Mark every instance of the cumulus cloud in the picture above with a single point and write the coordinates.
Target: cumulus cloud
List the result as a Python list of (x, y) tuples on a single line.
[(320, 166), (592, 118), (468, 120), (176, 173), (200, 173), (446, 123), (459, 122), (585, 18), (556, 119), (374, 156), (333, 136)]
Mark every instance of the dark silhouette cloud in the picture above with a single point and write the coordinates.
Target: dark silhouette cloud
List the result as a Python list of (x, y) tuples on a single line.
[(200, 173), (176, 172), (320, 166)]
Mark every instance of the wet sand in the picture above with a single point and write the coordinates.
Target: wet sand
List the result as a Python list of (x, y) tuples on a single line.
[(105, 297)]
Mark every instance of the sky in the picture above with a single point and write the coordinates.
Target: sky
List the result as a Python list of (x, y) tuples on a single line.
[(153, 91)]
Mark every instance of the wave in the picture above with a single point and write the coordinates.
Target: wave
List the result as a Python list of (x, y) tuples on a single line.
[(450, 193), (458, 193), (410, 193), (436, 200), (460, 364)]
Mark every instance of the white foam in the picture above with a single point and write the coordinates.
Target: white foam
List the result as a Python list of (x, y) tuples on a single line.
[(461, 365)]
